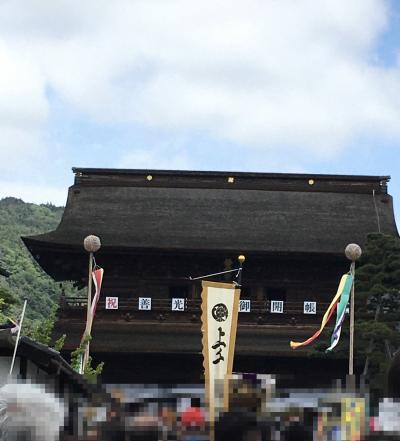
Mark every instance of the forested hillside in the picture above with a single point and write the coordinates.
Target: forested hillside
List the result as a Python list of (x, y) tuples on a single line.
[(27, 280)]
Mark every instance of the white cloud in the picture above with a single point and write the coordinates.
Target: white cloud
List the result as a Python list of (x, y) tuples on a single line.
[(287, 74), (38, 194), (160, 158), (23, 110)]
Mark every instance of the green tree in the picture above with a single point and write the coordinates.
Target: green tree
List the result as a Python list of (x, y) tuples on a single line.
[(27, 280), (377, 312), (42, 331), (7, 298), (91, 373), (378, 306)]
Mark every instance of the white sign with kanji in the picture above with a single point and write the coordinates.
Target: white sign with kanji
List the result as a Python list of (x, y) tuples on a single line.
[(310, 308), (277, 306), (144, 304), (244, 305), (111, 302), (178, 304), (220, 303)]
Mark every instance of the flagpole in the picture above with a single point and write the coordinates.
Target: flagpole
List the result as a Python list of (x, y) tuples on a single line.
[(351, 349), (89, 304), (89, 290), (17, 340), (241, 260), (353, 252), (91, 245)]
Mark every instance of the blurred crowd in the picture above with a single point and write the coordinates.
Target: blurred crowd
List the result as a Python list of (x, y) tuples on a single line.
[(30, 412)]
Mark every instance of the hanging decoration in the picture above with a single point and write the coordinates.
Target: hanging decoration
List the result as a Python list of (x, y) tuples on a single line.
[(97, 276), (220, 305), (341, 312), (343, 292)]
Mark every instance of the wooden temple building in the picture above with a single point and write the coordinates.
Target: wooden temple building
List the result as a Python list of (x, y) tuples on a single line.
[(157, 228)]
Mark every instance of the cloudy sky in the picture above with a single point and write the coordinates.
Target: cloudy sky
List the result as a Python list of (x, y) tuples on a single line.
[(258, 85)]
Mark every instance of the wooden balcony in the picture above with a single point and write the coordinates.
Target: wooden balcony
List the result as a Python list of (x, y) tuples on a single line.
[(161, 311)]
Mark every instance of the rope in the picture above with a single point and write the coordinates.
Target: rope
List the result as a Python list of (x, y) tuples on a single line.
[(238, 270), (376, 211)]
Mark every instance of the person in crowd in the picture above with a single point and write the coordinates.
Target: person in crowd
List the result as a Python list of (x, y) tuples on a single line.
[(193, 422), (242, 426), (29, 412)]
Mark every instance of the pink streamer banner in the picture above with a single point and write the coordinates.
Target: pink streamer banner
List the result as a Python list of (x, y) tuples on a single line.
[(97, 276)]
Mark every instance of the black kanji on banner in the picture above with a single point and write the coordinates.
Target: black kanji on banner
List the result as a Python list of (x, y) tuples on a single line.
[(219, 345)]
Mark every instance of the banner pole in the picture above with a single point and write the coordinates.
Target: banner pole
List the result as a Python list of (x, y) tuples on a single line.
[(353, 252), (18, 336), (91, 244), (351, 348), (241, 260), (89, 304), (220, 307)]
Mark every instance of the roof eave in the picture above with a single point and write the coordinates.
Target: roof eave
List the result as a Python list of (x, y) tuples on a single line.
[(40, 242), (233, 173)]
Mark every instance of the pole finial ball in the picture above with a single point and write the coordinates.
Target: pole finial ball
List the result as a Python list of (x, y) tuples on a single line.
[(91, 243), (353, 251), (241, 258)]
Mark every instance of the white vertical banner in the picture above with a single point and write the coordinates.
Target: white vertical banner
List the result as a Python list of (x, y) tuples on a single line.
[(220, 305)]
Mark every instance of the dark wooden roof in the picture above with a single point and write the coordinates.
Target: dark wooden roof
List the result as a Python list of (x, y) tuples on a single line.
[(206, 211), (44, 358)]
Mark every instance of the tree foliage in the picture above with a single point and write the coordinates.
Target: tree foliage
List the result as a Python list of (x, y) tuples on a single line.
[(377, 311), (90, 373), (27, 280), (378, 306), (41, 331)]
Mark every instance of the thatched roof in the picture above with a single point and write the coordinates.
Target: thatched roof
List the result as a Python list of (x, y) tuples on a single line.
[(203, 211)]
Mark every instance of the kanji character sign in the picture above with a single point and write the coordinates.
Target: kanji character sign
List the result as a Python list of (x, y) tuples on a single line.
[(111, 302)]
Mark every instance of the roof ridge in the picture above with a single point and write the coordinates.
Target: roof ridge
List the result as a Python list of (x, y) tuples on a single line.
[(203, 173)]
